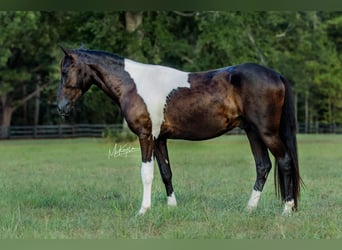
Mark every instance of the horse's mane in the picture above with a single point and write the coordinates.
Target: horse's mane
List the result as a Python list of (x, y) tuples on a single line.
[(86, 53)]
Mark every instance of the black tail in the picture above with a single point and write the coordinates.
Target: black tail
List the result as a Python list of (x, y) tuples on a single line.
[(288, 128)]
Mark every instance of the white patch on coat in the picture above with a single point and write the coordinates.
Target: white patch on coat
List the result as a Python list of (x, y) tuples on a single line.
[(171, 200), (253, 200), (154, 83), (147, 169)]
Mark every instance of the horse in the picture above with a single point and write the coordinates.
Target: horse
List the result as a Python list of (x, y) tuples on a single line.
[(161, 103)]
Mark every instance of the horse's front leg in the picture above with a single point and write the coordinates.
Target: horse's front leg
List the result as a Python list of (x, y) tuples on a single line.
[(147, 169), (165, 170)]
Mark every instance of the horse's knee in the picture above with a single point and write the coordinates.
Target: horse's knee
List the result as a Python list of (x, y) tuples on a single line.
[(263, 170)]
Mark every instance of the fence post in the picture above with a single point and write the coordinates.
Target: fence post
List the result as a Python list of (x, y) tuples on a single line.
[(59, 130), (35, 131)]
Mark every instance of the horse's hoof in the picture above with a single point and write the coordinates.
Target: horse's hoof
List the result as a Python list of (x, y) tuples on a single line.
[(250, 209), (143, 210), (288, 208), (286, 213), (171, 200)]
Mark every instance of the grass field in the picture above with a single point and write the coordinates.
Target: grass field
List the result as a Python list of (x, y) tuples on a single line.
[(71, 189)]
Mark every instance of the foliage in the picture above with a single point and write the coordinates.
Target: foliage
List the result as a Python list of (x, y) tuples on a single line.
[(305, 46), (119, 136), (25, 59)]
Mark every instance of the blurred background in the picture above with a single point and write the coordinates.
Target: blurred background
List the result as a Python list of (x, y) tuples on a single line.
[(304, 46)]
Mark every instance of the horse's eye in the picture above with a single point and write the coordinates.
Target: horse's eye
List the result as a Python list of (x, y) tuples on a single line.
[(71, 87)]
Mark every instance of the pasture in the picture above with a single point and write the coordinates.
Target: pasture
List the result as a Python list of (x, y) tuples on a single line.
[(79, 188)]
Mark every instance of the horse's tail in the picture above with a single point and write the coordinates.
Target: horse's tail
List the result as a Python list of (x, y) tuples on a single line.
[(288, 128)]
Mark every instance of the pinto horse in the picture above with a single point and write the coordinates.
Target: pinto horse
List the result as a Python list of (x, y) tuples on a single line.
[(161, 103)]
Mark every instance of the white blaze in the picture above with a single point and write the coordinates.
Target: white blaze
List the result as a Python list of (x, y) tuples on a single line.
[(154, 83)]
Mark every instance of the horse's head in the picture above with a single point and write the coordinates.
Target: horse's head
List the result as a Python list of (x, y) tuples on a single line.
[(75, 80)]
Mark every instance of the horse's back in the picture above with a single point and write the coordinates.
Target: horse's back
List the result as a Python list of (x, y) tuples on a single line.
[(254, 74)]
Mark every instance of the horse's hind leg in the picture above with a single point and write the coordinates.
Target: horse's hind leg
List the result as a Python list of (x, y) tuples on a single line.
[(285, 171), (263, 166), (165, 170)]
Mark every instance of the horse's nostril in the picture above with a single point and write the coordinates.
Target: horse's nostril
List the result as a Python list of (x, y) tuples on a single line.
[(63, 106), (59, 110)]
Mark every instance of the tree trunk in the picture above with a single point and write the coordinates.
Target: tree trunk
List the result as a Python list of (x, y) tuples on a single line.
[(37, 108), (296, 109), (256, 48), (8, 106), (133, 20), (5, 121), (306, 112), (25, 108)]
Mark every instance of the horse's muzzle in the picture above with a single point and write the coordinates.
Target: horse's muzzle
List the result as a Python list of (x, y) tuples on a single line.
[(64, 107)]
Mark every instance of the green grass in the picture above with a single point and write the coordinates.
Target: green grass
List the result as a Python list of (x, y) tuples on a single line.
[(70, 189)]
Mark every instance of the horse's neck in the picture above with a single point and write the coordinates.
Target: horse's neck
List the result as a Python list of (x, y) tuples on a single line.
[(111, 79)]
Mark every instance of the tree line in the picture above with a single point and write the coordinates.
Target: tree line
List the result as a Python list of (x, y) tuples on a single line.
[(304, 46)]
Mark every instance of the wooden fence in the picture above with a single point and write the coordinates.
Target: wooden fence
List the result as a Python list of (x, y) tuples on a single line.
[(58, 131), (98, 130)]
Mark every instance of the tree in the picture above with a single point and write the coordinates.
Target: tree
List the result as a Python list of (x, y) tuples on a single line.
[(16, 28)]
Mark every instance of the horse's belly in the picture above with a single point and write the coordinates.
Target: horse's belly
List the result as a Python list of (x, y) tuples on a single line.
[(198, 122), (196, 132)]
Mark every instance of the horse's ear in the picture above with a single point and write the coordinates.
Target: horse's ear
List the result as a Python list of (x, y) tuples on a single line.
[(67, 52)]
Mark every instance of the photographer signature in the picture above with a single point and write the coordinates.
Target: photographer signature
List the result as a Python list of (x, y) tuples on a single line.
[(121, 151)]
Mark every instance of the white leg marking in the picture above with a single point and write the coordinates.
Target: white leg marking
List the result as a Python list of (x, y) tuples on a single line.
[(171, 200), (254, 200), (147, 169), (154, 83), (289, 205)]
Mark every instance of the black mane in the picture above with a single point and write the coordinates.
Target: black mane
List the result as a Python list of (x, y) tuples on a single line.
[(102, 56)]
